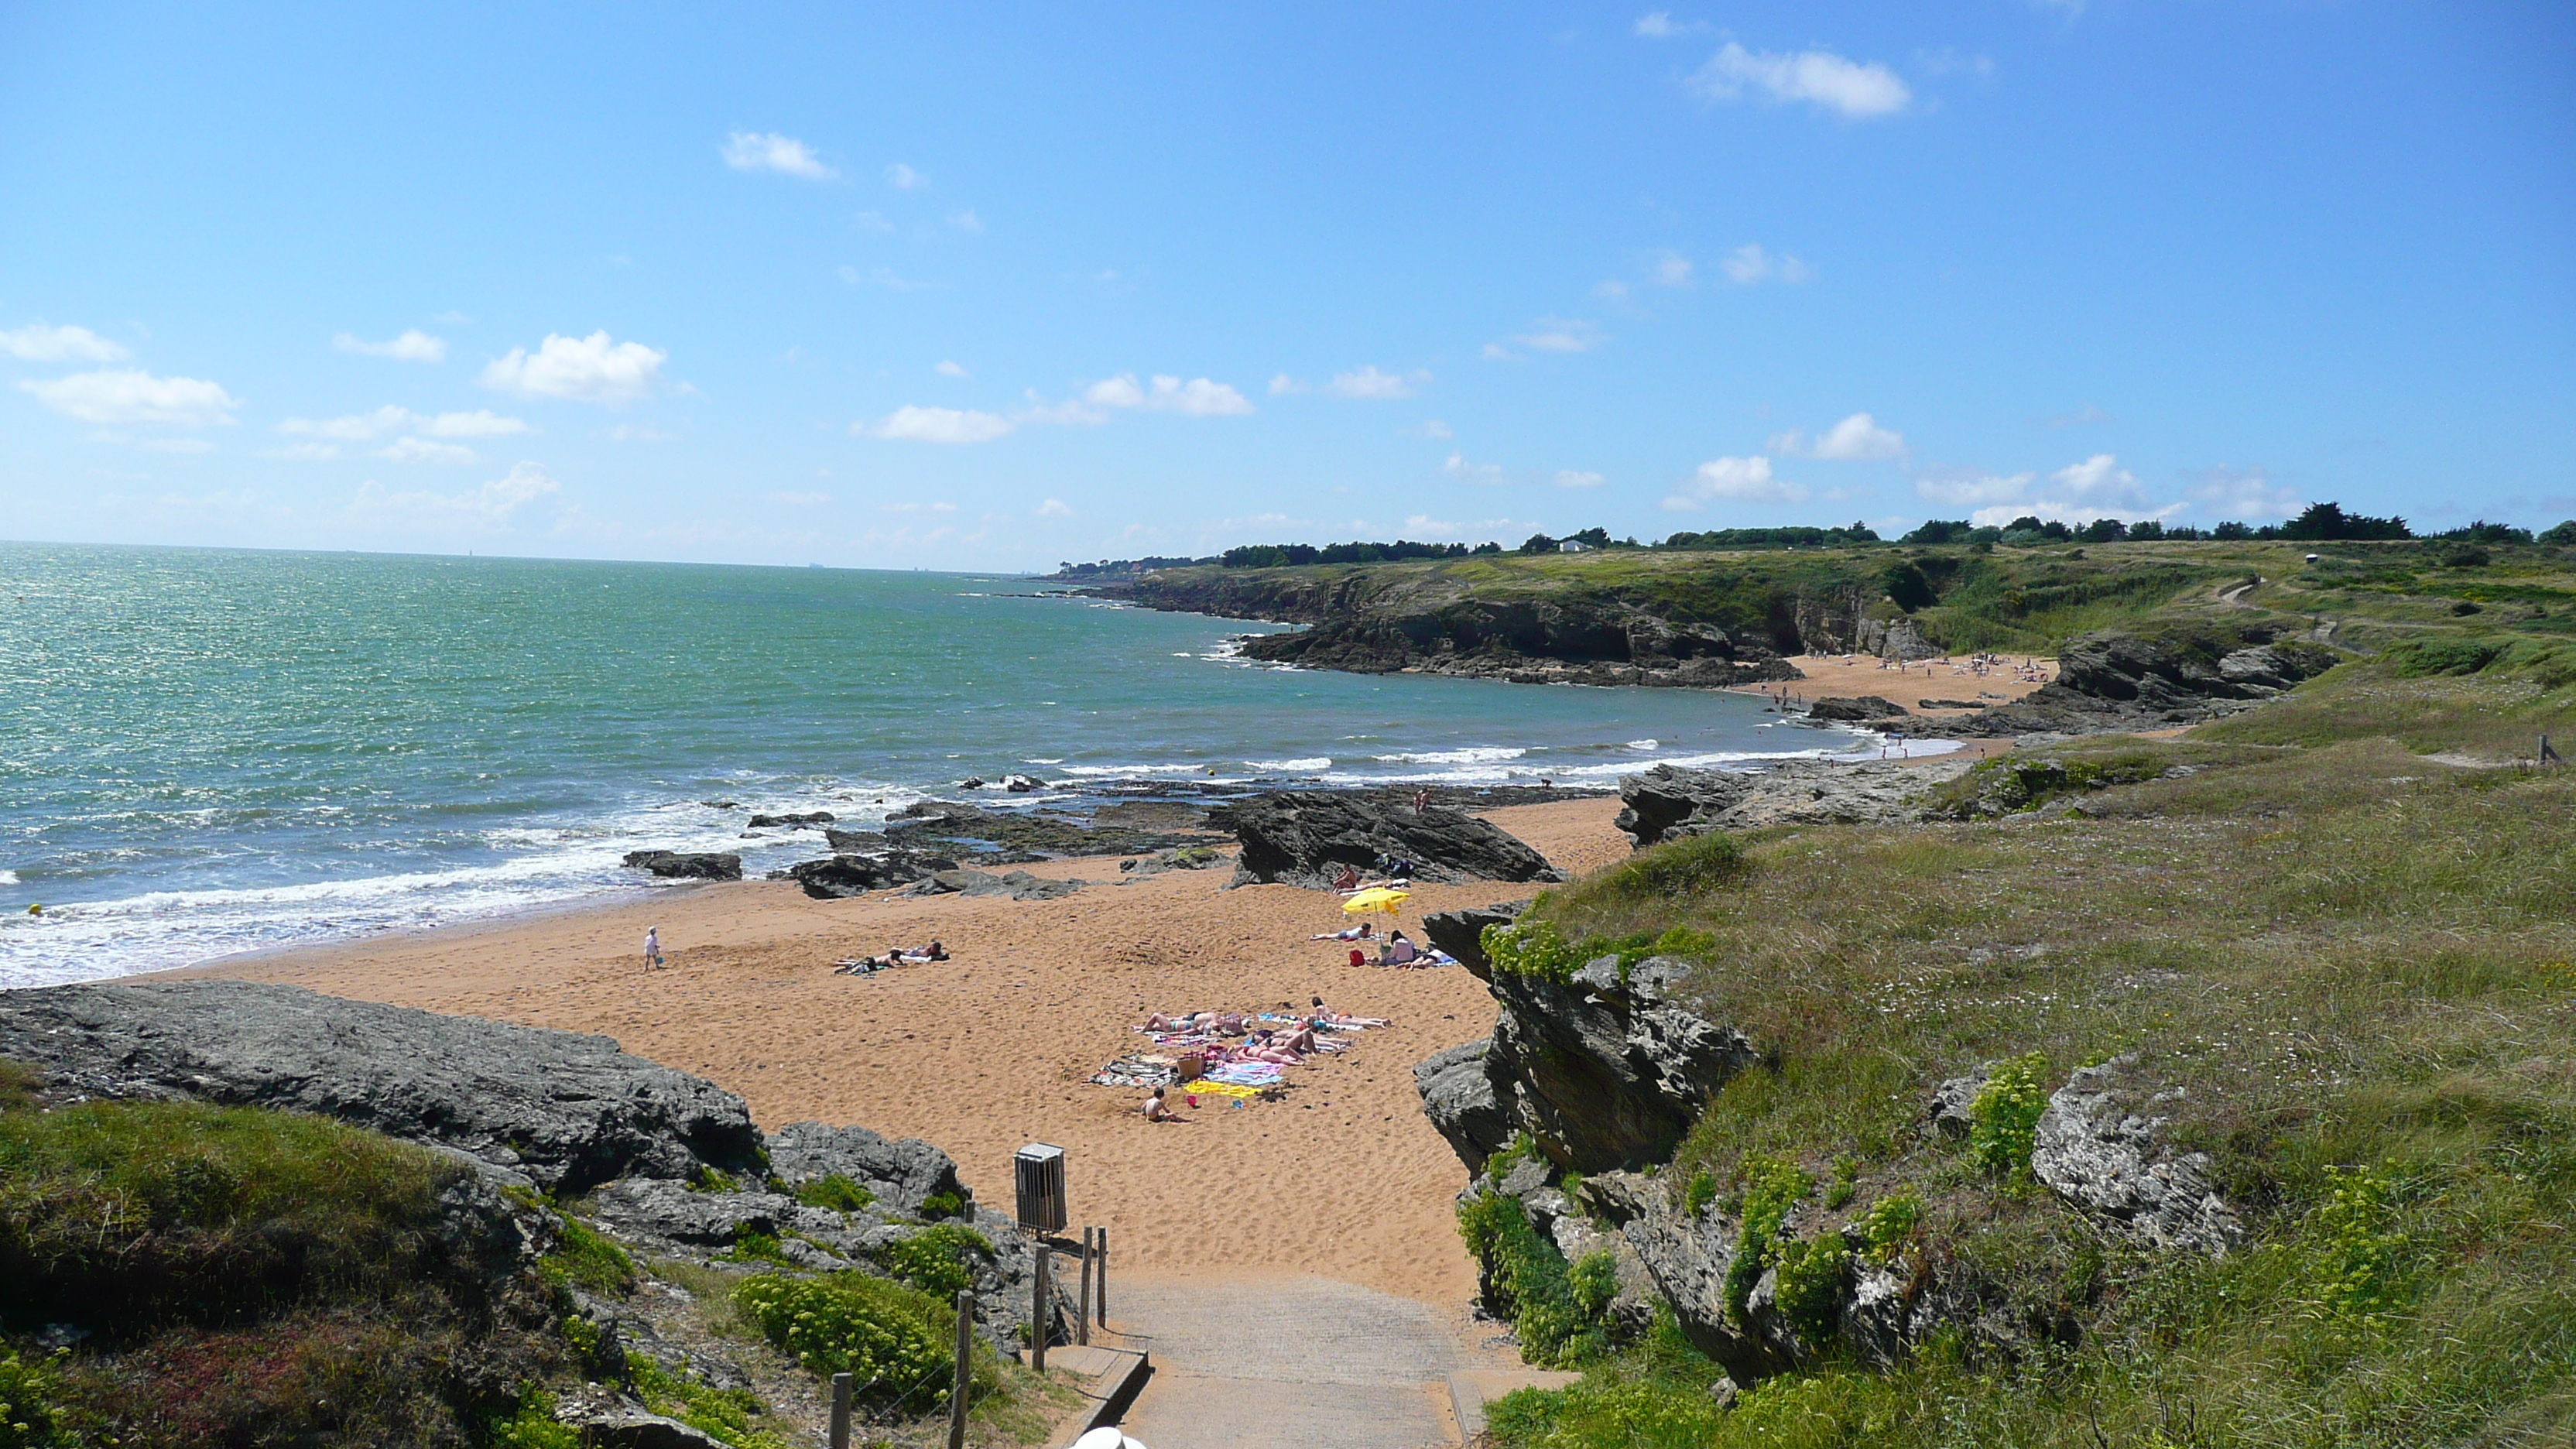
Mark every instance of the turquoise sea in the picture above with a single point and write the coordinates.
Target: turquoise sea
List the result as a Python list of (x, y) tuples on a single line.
[(207, 752)]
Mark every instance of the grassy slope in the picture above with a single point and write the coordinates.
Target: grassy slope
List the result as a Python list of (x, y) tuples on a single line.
[(2008, 599), (2354, 960)]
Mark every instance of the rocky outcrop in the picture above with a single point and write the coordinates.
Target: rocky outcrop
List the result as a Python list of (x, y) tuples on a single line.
[(790, 822), (1863, 709), (838, 877), (1669, 802), (1461, 933), (905, 1172), (1016, 885), (565, 1111), (1299, 837), (2110, 682), (1458, 1096), (2101, 1146), (687, 864)]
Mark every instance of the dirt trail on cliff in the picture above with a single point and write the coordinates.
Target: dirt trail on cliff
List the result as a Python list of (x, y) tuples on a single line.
[(1344, 1178)]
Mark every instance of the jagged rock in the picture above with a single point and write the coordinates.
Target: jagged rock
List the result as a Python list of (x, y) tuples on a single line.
[(1461, 933), (1949, 704), (625, 1425), (1300, 837), (1876, 1321), (1018, 885), (1607, 1073), (665, 1214), (2096, 1148), (1669, 802), (568, 1111), (792, 822), (1948, 1109), (1865, 707), (905, 1172), (688, 864), (971, 782), (2107, 681), (1459, 1099), (840, 876), (1022, 784), (1688, 1257)]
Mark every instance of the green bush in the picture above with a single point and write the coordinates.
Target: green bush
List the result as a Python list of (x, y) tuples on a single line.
[(27, 1408), (835, 1193), (1772, 1187), (935, 1259), (2357, 1256), (532, 1425), (1537, 948), (710, 1179), (1810, 1283), (730, 1416), (1701, 1192), (1601, 1413), (943, 1205), (1887, 1225), (584, 1258), (892, 1339), (2420, 658), (2005, 1113), (1539, 1289), (1675, 869)]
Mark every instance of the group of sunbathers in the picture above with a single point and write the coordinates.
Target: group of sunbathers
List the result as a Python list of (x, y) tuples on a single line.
[(1282, 1038), (894, 956)]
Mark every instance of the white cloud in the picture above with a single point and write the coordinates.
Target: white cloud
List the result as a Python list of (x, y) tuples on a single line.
[(1819, 77), (2241, 493), (1070, 413), (967, 221), (950, 369), (363, 427), (937, 425), (489, 508), (1054, 508), (1857, 438), (1484, 474), (1198, 398), (1966, 490), (1549, 334), (1671, 269), (155, 445), (1749, 264), (413, 345), (1369, 383), (2098, 487), (911, 507), (305, 452), (1612, 290), (1736, 480), (884, 277), (769, 151), (1428, 428), (1660, 25), (37, 342), (871, 221), (798, 500), (131, 395), (421, 450), (1570, 478), (585, 369), (904, 178), (1282, 384)]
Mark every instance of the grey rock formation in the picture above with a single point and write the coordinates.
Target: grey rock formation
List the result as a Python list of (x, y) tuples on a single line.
[(623, 1424), (904, 1173), (2109, 682), (687, 864), (837, 877), (1688, 1256), (1948, 1109), (1018, 885), (1461, 933), (1855, 710), (2098, 1147), (1459, 1099), (568, 1111), (1303, 838), (1669, 802), (1607, 1073), (790, 822)]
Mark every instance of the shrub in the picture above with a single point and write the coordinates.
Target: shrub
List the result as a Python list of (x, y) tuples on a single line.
[(2358, 1258), (835, 1193), (1810, 1283), (532, 1425), (892, 1339), (729, 1416), (27, 1409), (710, 1179), (1888, 1223), (2006, 1113), (1702, 1192), (935, 1260), (1532, 948), (1594, 1279), (583, 1257), (1771, 1188), (752, 1246), (1674, 870), (944, 1205), (1543, 1294)]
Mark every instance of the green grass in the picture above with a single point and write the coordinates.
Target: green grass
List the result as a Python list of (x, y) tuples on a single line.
[(2355, 963)]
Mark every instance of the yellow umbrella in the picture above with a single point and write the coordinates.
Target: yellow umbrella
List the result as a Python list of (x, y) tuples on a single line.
[(1377, 898)]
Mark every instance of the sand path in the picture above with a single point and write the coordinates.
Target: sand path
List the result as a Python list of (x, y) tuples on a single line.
[(1344, 1178)]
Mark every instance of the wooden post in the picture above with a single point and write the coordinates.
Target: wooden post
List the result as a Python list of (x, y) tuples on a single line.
[(1040, 1309), (840, 1411), (1100, 1289), (958, 1394), (1082, 1318)]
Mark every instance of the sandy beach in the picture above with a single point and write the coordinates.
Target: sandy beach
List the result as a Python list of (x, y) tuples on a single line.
[(1341, 1178)]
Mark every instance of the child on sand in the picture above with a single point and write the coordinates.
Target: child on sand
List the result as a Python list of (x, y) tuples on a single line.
[(652, 948), (1155, 1109)]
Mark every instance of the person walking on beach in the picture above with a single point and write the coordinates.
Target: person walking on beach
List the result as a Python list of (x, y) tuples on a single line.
[(652, 948)]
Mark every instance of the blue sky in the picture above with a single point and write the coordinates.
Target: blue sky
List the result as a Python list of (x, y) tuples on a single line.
[(994, 289)]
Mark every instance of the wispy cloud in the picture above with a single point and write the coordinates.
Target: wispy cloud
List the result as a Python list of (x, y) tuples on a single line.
[(770, 151), (2097, 487), (1857, 438), (413, 345), (950, 369), (1197, 397), (913, 424), (1054, 508), (904, 178), (1574, 478), (581, 369), (37, 342), (132, 396), (1370, 384), (1820, 78), (1428, 428), (488, 509), (967, 221), (1735, 480), (1489, 475), (1660, 25), (1749, 265), (2225, 492), (364, 427), (422, 450), (1550, 334), (797, 500)]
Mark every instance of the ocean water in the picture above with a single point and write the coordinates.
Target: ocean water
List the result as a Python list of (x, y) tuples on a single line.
[(206, 752)]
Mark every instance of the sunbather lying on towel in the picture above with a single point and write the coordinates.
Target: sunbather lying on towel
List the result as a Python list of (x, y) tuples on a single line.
[(1361, 932)]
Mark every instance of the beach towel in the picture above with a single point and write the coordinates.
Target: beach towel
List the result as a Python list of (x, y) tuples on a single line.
[(1221, 1089), (1246, 1074)]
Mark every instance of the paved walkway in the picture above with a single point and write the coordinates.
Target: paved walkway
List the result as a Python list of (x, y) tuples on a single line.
[(1246, 1364)]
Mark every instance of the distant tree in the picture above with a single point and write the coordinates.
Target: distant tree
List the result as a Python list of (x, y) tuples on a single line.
[(2485, 532), (1938, 530), (1538, 543), (2327, 521), (1489, 548), (2561, 536), (2103, 530), (1590, 537), (2027, 523), (2146, 530)]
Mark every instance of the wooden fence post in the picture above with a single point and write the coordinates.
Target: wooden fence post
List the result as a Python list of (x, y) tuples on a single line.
[(1100, 1289), (1082, 1318), (840, 1411), (1041, 1308), (963, 1389)]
